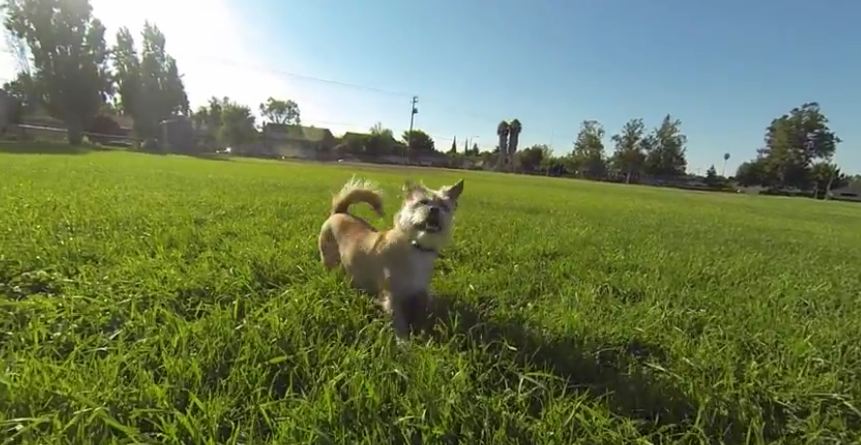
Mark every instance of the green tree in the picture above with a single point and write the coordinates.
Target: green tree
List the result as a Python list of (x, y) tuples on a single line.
[(69, 57), (629, 156), (825, 176), (149, 86), (453, 149), (793, 141), (712, 178), (378, 129), (237, 124), (284, 112), (380, 142), (751, 173), (588, 155), (210, 115), (533, 158), (208, 119), (666, 149), (419, 142), (163, 93), (475, 149), (127, 75), (25, 92)]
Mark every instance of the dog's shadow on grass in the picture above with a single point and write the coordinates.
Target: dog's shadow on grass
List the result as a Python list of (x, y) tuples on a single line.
[(601, 371)]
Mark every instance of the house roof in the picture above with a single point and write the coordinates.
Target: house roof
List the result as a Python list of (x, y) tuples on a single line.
[(298, 132), (351, 134)]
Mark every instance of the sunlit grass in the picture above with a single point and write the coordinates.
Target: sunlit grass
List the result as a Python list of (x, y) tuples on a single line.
[(177, 300)]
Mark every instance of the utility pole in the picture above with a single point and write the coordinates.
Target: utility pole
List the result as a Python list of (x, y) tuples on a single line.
[(413, 111)]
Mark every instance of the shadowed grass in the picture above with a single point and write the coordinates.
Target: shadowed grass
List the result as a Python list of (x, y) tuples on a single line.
[(179, 300)]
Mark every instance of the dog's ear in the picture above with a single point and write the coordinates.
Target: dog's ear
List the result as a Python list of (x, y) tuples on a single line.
[(454, 191), (411, 189)]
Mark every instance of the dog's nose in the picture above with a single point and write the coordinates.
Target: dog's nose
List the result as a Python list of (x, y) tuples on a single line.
[(433, 215)]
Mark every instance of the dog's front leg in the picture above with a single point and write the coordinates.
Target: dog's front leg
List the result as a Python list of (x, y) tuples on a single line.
[(394, 304), (400, 316)]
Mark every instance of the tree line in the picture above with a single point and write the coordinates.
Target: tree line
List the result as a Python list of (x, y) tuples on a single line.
[(637, 152), (72, 74), (797, 156)]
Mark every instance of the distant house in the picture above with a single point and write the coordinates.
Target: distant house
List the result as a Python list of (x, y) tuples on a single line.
[(296, 141), (351, 142), (351, 135), (851, 192)]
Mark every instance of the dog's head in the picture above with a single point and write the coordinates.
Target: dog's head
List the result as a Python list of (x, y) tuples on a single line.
[(427, 215)]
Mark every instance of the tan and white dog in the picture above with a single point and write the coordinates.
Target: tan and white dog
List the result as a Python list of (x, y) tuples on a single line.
[(396, 264)]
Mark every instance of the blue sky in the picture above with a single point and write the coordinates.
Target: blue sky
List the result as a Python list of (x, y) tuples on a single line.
[(724, 68)]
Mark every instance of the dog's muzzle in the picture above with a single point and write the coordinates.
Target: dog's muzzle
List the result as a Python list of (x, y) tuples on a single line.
[(433, 222)]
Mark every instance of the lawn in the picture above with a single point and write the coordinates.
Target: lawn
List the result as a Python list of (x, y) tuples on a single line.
[(167, 299)]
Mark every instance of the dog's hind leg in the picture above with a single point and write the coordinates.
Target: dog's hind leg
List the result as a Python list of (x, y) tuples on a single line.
[(328, 245)]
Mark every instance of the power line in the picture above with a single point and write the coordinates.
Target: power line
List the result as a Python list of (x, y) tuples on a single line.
[(446, 108), (307, 77), (295, 75)]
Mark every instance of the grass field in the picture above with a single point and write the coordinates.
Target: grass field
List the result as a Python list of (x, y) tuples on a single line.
[(170, 299)]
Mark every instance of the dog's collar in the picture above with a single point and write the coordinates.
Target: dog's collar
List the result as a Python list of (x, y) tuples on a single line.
[(424, 249)]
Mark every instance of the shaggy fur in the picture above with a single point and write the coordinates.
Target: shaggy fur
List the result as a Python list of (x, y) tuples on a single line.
[(396, 264)]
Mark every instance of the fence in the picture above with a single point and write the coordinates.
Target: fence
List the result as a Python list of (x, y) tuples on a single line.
[(43, 132)]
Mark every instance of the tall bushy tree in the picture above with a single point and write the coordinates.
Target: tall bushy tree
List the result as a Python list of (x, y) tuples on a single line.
[(381, 141), (208, 118), (420, 141), (127, 75), (794, 141), (629, 156), (712, 178), (588, 155), (150, 86), (534, 158), (282, 112), (25, 92), (69, 57), (237, 124), (666, 149), (751, 173)]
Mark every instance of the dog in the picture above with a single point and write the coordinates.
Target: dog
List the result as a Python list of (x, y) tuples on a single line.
[(395, 265)]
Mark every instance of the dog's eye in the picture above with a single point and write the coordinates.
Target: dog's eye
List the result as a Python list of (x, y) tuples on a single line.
[(424, 202)]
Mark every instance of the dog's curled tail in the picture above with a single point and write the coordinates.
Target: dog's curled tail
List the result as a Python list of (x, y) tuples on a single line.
[(357, 190)]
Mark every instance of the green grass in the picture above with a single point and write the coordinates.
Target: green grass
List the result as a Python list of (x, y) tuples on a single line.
[(168, 299)]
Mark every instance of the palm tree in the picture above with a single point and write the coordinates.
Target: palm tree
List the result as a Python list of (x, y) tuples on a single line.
[(514, 130), (502, 131), (725, 158)]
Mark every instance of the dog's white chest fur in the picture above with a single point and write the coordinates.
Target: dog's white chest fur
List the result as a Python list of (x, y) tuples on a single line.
[(413, 275)]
